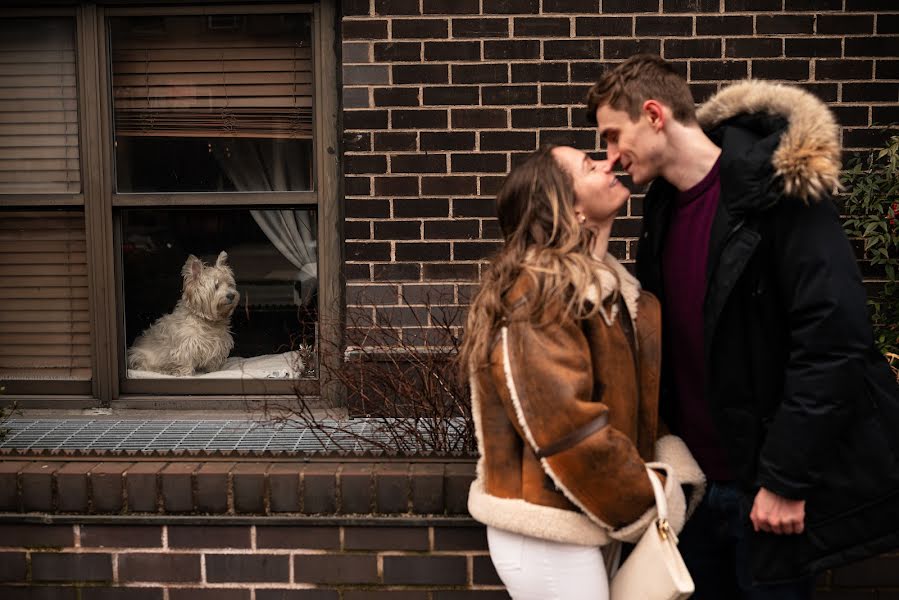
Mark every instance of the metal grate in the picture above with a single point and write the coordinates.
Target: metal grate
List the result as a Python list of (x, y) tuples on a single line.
[(181, 434)]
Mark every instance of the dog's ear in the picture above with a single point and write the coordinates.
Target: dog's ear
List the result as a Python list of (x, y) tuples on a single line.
[(222, 259), (192, 268)]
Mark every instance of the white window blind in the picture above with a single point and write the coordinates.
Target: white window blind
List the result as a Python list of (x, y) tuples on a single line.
[(38, 107), (185, 77), (43, 296)]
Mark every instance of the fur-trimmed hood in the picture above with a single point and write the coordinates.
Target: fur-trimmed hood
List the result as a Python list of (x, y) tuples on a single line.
[(806, 161)]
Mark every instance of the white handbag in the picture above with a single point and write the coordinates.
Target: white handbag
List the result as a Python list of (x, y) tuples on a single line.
[(654, 570)]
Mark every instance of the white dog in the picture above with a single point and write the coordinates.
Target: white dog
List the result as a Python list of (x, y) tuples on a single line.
[(197, 335)]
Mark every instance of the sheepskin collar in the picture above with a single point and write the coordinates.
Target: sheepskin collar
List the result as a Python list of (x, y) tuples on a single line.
[(790, 125), (615, 278)]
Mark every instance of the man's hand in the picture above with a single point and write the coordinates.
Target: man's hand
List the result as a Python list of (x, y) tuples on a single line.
[(776, 514)]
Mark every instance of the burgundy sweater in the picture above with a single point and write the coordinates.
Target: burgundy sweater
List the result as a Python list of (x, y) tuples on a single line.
[(684, 271)]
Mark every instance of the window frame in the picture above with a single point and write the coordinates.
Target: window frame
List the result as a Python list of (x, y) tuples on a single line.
[(102, 207)]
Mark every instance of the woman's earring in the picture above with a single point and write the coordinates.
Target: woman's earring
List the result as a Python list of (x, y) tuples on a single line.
[(581, 218)]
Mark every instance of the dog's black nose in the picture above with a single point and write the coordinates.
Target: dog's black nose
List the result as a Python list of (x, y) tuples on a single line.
[(230, 297)]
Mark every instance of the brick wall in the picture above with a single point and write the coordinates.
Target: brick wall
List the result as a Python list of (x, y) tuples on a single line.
[(197, 560), (245, 529), (441, 97)]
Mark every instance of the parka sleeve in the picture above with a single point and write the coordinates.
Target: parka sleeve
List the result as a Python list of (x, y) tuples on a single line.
[(547, 386), (829, 337)]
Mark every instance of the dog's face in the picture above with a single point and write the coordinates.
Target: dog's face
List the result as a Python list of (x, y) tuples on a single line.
[(210, 290)]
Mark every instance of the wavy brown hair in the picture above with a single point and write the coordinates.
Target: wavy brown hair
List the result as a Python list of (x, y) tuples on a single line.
[(544, 242)]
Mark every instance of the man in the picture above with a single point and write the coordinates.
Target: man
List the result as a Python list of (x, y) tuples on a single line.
[(770, 371)]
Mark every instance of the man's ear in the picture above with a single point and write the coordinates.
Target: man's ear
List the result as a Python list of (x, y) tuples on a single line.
[(655, 112)]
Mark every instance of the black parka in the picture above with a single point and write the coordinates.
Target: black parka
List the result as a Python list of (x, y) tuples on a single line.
[(805, 404)]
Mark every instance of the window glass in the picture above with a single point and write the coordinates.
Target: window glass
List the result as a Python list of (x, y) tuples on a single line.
[(212, 103), (38, 107), (219, 294)]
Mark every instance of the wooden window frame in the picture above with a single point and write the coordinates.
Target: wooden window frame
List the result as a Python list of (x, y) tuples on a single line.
[(102, 207)]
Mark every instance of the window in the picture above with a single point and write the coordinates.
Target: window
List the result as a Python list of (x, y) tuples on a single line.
[(143, 148), (272, 255), (45, 343)]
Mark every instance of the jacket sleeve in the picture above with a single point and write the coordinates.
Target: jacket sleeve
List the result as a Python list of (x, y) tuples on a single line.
[(548, 380), (829, 335)]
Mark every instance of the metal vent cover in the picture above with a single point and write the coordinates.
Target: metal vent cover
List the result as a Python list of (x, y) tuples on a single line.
[(205, 435)]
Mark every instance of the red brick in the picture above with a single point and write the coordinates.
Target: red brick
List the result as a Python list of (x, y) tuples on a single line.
[(71, 567), (249, 487), (107, 487), (121, 593), (142, 487), (269, 594), (391, 595), (12, 565), (9, 485), (413, 538), (471, 595), (392, 487), (37, 536), (427, 488), (180, 568), (425, 570), (335, 568), (460, 538), (71, 486), (209, 536), (325, 538), (216, 594), (38, 593), (37, 486), (121, 536), (267, 568), (356, 487), (284, 485), (457, 480), (176, 486), (483, 572), (212, 487)]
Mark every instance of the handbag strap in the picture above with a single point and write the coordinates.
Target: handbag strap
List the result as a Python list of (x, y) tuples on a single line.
[(661, 501)]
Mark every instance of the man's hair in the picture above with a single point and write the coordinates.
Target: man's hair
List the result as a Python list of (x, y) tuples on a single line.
[(640, 78)]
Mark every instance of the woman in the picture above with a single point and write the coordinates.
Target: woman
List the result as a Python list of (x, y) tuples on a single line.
[(563, 354)]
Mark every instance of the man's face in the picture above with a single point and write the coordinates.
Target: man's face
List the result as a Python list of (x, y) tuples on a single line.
[(633, 144)]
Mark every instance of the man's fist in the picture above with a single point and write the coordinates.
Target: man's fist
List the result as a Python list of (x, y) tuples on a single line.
[(776, 514)]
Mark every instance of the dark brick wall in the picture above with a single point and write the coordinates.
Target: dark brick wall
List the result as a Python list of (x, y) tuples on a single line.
[(441, 97), (57, 486), (183, 561), (267, 529)]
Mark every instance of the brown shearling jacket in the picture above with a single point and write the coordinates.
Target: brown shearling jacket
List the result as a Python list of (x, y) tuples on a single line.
[(566, 417)]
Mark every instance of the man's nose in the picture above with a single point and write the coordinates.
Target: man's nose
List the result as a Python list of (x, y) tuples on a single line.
[(612, 155)]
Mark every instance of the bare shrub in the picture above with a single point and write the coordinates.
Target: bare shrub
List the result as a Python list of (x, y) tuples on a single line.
[(6, 413), (402, 392)]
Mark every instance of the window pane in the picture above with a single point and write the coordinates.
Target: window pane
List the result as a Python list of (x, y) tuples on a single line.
[(44, 323), (270, 305), (212, 103), (38, 107)]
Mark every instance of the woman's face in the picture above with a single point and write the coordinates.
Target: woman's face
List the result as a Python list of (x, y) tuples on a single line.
[(598, 193)]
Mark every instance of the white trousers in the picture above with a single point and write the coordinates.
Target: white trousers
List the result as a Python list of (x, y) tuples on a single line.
[(535, 569)]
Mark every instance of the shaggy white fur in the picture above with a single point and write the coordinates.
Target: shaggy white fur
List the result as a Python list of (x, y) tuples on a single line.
[(196, 336), (808, 157)]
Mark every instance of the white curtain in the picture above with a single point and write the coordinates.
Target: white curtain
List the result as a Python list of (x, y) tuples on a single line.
[(264, 165)]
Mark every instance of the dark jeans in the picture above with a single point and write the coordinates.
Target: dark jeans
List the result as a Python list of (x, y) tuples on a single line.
[(715, 546)]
